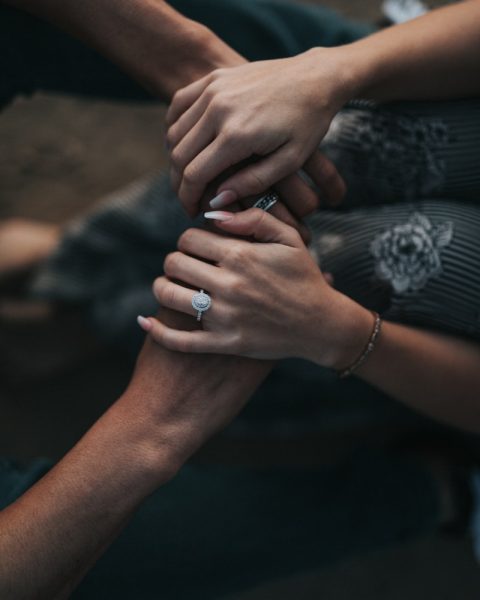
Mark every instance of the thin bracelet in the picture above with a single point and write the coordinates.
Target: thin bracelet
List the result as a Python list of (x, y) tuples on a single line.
[(372, 340)]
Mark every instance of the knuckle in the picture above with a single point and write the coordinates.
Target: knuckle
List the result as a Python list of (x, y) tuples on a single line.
[(310, 204), (232, 134), (298, 161), (171, 136), (254, 182), (218, 73), (233, 290), (157, 287), (293, 160), (183, 345), (172, 262), (191, 176), (296, 237), (178, 96), (239, 341), (235, 253), (186, 239), (167, 296), (328, 171), (227, 318), (176, 157), (260, 217), (157, 336)]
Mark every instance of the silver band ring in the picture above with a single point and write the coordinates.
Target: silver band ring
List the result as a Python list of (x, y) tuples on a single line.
[(201, 302), (267, 201)]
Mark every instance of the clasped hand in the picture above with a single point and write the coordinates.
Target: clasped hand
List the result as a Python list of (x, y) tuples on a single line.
[(269, 298), (263, 121)]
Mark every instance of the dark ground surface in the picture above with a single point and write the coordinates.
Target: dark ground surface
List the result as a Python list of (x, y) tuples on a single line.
[(58, 156)]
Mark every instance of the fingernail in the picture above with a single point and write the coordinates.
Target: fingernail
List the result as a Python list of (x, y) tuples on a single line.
[(223, 199), (144, 323), (219, 215)]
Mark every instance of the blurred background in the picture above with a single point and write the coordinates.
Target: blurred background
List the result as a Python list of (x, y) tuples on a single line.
[(58, 157)]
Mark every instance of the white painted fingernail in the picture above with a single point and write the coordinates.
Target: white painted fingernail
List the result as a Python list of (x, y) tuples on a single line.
[(223, 199), (144, 323), (219, 215)]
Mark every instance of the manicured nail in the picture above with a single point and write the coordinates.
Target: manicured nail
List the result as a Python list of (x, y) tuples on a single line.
[(223, 199), (144, 323), (219, 215)]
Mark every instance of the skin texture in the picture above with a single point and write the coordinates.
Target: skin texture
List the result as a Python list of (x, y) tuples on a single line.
[(56, 531), (270, 300), (268, 109), (260, 289), (52, 535), (164, 51), (280, 110)]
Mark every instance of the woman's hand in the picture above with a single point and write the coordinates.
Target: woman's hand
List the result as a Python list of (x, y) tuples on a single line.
[(275, 111), (269, 298)]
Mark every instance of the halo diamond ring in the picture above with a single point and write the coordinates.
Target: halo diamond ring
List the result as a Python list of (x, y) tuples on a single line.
[(201, 302)]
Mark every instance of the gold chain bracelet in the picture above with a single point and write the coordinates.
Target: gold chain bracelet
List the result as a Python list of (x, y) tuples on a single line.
[(372, 340)]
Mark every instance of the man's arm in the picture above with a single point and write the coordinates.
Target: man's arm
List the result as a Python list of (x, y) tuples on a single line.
[(153, 43), (56, 531), (165, 51)]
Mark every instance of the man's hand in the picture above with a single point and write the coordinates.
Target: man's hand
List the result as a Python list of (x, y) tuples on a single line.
[(56, 531), (190, 397)]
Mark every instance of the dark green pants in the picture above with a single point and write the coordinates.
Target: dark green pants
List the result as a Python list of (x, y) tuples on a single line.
[(217, 530)]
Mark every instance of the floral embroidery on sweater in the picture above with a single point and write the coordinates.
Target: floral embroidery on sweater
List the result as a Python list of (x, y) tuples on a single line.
[(408, 255)]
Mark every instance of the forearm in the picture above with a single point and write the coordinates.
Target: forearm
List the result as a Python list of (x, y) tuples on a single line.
[(433, 57), (153, 43), (434, 373), (431, 372), (56, 531)]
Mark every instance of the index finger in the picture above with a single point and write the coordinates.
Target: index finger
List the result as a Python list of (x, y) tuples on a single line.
[(184, 98)]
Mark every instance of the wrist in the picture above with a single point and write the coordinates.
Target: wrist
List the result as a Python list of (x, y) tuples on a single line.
[(367, 67), (353, 69), (155, 460), (194, 53), (344, 74), (343, 334)]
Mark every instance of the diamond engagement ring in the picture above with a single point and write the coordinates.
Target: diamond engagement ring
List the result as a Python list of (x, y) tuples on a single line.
[(267, 202), (201, 302)]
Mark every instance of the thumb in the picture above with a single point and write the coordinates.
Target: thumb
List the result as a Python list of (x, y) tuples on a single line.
[(257, 224)]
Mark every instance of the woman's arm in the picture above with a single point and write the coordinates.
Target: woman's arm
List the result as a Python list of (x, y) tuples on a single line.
[(435, 56), (280, 110), (270, 301), (54, 533), (434, 373)]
